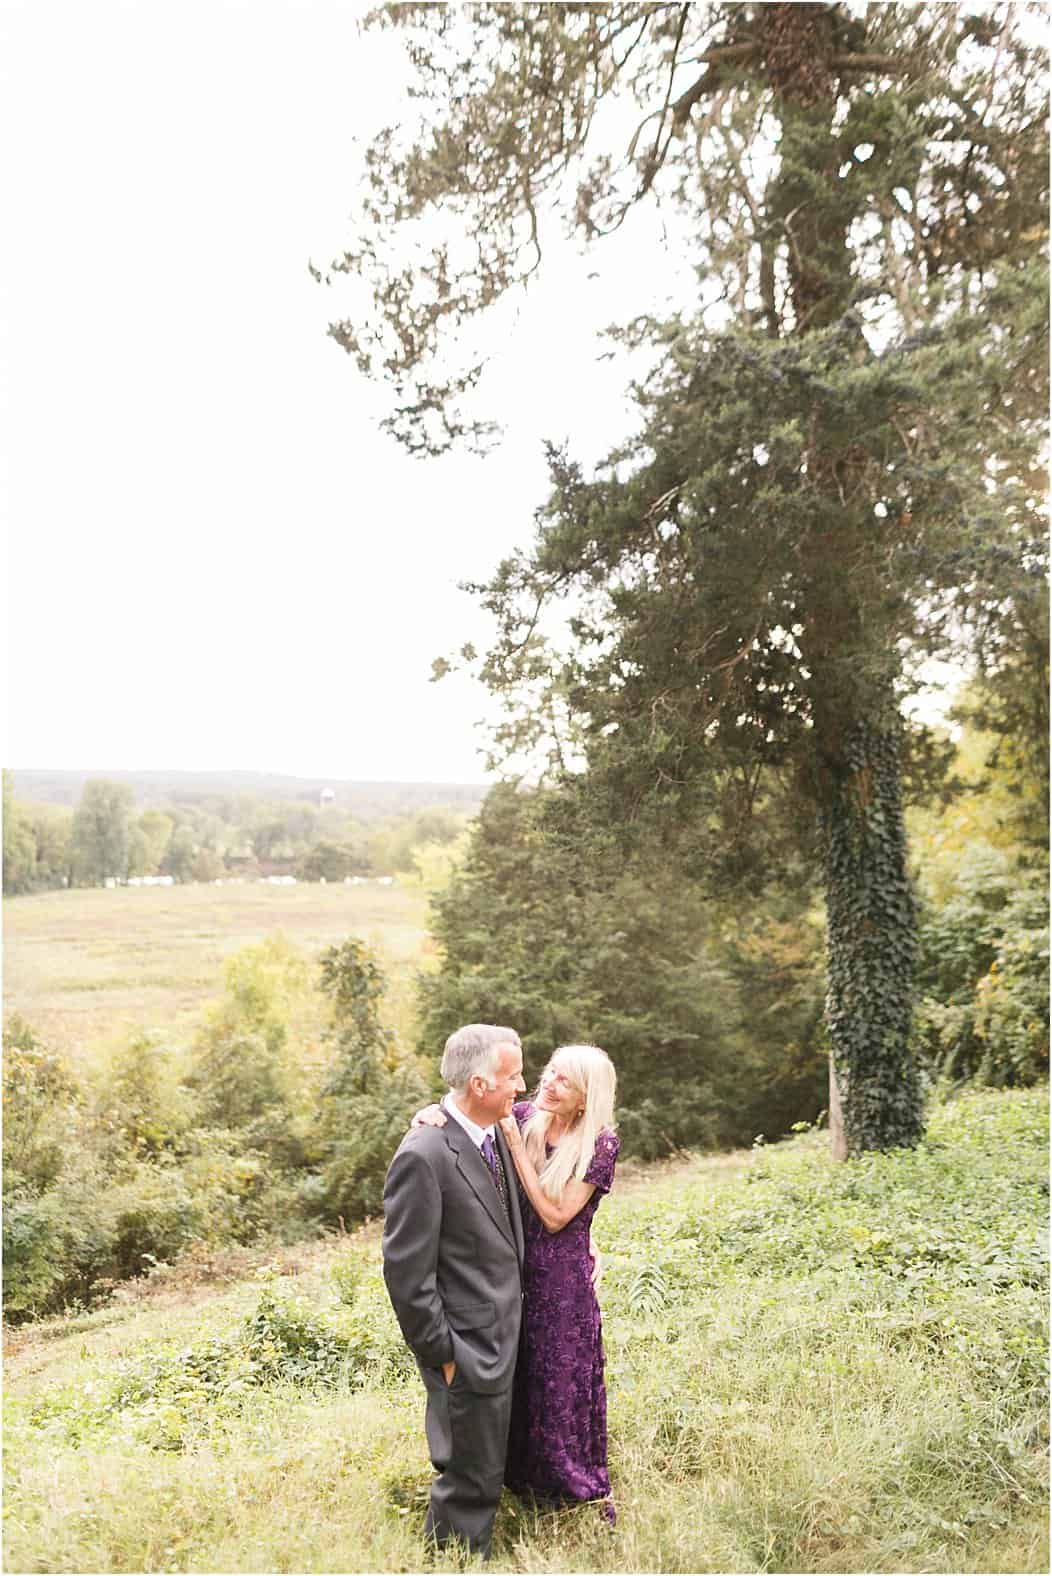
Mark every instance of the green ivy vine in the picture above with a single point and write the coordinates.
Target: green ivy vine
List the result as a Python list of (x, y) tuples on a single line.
[(872, 919)]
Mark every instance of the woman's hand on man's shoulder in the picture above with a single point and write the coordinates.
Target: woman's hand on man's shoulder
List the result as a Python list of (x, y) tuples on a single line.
[(430, 1116)]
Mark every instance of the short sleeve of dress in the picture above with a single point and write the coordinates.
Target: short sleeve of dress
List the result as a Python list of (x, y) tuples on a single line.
[(601, 1171)]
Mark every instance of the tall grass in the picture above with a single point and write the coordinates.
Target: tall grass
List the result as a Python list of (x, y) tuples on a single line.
[(810, 1368)]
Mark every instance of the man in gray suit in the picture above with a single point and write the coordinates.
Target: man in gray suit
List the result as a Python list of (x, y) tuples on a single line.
[(452, 1251)]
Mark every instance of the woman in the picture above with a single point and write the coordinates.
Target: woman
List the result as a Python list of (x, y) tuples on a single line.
[(564, 1149)]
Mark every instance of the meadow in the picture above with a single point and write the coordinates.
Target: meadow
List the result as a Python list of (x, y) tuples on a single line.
[(89, 966), (810, 1368)]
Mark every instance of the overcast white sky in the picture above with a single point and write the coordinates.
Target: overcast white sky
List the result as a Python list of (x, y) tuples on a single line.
[(216, 559)]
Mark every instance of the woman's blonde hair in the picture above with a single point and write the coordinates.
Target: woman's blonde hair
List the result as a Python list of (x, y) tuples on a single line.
[(592, 1074)]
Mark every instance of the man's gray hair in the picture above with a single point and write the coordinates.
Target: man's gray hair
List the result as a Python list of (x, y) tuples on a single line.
[(473, 1049)]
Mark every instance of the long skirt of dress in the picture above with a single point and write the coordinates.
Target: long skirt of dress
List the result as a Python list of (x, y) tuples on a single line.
[(557, 1444)]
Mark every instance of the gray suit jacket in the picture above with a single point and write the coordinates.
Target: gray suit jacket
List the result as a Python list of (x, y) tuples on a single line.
[(452, 1257)]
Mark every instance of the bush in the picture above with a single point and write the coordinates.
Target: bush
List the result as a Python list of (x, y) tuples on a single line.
[(151, 1217), (166, 1394), (982, 1012), (142, 1107), (238, 1194), (244, 1071), (41, 1099), (57, 1248)]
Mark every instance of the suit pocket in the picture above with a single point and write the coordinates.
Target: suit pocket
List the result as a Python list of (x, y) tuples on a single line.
[(473, 1316)]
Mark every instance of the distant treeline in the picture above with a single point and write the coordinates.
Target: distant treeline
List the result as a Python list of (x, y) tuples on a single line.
[(368, 801), (202, 827)]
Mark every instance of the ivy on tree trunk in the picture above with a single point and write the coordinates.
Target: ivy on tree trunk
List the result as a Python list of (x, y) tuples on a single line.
[(872, 943)]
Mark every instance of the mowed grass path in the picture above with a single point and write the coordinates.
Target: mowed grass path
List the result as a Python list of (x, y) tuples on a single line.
[(86, 968)]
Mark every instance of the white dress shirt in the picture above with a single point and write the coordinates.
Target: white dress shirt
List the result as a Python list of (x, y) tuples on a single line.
[(477, 1134)]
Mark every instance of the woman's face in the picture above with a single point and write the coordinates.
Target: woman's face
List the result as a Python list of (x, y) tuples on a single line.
[(558, 1094)]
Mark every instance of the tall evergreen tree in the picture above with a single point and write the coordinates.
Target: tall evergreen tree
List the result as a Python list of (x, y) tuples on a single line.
[(715, 1025), (836, 471)]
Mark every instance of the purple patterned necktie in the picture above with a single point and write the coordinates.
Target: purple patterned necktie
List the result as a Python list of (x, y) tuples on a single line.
[(496, 1166)]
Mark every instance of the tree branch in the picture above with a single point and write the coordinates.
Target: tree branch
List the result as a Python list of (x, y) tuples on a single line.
[(709, 80), (868, 63), (657, 158)]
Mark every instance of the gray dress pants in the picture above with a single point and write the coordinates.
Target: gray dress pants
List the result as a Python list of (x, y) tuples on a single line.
[(467, 1436)]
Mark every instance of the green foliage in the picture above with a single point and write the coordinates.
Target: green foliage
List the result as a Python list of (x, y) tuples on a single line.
[(915, 1225), (178, 861), (245, 1070), (394, 844), (57, 1245), (347, 1278), (58, 1233), (983, 976), (169, 1395), (37, 844), (150, 835), (52, 831), (982, 873), (150, 1214), (249, 1138), (142, 1107), (434, 863), (40, 1099), (196, 835), (327, 861), (102, 832), (19, 851), (711, 1016), (370, 1088)]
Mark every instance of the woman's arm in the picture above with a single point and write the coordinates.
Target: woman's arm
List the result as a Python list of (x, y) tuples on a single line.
[(551, 1215)]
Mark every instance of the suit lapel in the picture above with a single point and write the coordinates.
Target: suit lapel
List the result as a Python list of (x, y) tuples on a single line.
[(477, 1175)]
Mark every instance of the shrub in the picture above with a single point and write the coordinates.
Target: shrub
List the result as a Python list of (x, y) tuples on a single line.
[(982, 1012), (58, 1246), (244, 1072), (370, 1091), (142, 1107), (151, 1215), (41, 1099)]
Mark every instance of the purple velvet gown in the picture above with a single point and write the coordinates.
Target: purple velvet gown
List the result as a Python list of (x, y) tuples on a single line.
[(557, 1444)]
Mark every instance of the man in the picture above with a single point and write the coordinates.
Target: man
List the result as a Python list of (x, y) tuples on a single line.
[(453, 1249)]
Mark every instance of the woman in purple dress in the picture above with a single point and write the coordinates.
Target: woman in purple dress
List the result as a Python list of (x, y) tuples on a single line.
[(564, 1148)]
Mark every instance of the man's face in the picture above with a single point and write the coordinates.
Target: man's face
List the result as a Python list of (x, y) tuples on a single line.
[(496, 1095)]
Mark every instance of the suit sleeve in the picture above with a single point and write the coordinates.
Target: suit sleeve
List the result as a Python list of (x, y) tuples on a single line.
[(412, 1223)]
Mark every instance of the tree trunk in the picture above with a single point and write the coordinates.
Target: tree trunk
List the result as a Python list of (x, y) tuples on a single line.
[(837, 1137), (874, 1095), (872, 940)]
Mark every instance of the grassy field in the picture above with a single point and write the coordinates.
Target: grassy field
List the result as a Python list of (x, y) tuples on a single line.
[(86, 967), (810, 1368)]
